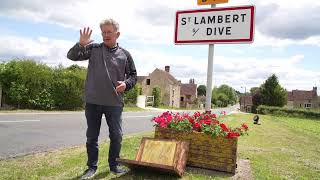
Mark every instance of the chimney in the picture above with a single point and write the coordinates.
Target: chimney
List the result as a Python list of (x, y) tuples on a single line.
[(191, 81), (315, 89), (167, 69)]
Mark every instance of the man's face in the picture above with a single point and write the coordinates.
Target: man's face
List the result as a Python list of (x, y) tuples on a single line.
[(109, 35)]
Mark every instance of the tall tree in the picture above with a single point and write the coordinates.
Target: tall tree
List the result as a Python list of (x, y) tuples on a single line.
[(272, 94), (253, 90), (202, 90)]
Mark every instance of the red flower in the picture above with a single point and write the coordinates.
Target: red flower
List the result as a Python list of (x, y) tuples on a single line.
[(163, 125), (196, 126), (233, 135), (208, 122), (215, 122), (244, 126), (191, 120), (224, 127)]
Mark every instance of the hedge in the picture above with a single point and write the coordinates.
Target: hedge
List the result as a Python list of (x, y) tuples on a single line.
[(278, 111)]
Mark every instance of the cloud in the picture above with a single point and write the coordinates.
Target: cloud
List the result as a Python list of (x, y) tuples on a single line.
[(236, 72), (294, 23), (50, 51), (143, 21)]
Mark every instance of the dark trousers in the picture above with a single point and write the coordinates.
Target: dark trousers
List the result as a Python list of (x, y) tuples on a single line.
[(114, 120)]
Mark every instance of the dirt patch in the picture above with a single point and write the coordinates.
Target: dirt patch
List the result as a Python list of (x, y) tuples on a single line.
[(243, 171)]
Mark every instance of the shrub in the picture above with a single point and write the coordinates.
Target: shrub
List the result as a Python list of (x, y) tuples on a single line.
[(302, 113)]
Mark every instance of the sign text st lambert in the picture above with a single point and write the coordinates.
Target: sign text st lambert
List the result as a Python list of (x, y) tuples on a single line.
[(216, 25)]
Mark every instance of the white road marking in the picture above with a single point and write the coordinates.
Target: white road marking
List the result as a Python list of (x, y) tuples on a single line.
[(19, 121), (135, 116)]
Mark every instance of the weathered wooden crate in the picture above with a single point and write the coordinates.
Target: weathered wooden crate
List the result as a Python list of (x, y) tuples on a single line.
[(160, 154), (205, 151)]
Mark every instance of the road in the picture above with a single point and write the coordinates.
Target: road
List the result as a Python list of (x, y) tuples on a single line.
[(25, 133)]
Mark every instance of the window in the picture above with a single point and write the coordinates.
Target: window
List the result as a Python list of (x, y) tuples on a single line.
[(308, 105), (148, 82), (181, 99)]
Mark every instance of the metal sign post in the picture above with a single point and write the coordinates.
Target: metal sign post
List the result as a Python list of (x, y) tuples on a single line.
[(209, 75)]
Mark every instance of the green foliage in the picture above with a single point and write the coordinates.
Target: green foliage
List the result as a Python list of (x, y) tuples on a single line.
[(201, 90), (256, 100), (33, 85), (18, 94), (130, 97), (272, 93), (156, 92), (299, 113), (183, 125), (253, 90), (43, 100), (223, 96), (67, 88)]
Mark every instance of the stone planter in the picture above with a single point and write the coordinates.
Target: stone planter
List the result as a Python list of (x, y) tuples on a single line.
[(205, 151)]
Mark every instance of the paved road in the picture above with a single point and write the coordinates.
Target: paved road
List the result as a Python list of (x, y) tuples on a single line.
[(24, 133)]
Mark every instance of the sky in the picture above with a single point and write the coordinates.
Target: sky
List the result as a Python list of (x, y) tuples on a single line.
[(286, 39)]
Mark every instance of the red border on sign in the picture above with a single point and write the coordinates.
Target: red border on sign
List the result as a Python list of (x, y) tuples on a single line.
[(250, 39)]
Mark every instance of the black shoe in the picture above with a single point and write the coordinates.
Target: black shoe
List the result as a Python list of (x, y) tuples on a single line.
[(117, 170), (89, 173)]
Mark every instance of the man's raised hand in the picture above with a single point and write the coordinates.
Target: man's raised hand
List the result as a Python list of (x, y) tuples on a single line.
[(85, 36)]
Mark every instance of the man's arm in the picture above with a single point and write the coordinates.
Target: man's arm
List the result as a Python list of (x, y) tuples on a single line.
[(79, 52), (131, 73)]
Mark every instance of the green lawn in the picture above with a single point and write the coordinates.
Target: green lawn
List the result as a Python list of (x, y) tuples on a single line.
[(279, 148)]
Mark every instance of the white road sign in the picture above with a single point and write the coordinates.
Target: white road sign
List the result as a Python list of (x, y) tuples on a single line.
[(215, 25)]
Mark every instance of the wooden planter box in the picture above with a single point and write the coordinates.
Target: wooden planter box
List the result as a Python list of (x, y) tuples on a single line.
[(161, 155), (204, 151)]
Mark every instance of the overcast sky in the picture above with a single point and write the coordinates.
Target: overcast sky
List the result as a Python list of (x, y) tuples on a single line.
[(286, 41)]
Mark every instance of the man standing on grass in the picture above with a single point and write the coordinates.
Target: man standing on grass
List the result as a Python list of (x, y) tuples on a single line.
[(111, 71)]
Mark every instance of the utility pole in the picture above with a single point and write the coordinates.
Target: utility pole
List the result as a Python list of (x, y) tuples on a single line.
[(244, 98)]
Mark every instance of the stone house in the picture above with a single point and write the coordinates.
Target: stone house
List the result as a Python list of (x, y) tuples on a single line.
[(303, 99), (169, 86), (246, 103), (188, 95)]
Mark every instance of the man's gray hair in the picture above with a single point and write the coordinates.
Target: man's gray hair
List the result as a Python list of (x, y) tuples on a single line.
[(110, 22)]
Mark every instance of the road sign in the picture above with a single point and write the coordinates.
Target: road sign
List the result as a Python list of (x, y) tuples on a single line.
[(207, 2), (215, 25)]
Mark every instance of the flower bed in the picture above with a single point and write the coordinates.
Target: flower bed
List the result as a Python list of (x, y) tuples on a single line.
[(213, 145)]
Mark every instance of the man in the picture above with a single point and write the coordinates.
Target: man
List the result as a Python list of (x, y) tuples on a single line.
[(111, 71)]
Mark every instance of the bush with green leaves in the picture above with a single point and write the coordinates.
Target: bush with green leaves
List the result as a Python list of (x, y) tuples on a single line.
[(278, 111), (33, 85), (156, 93), (130, 97)]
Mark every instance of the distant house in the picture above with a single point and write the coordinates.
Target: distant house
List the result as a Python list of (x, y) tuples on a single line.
[(246, 103), (188, 94), (169, 86), (303, 99)]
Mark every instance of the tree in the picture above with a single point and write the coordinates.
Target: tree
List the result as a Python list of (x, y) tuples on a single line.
[(229, 92), (156, 93), (256, 100), (130, 97), (272, 94), (223, 96), (202, 90), (253, 90)]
